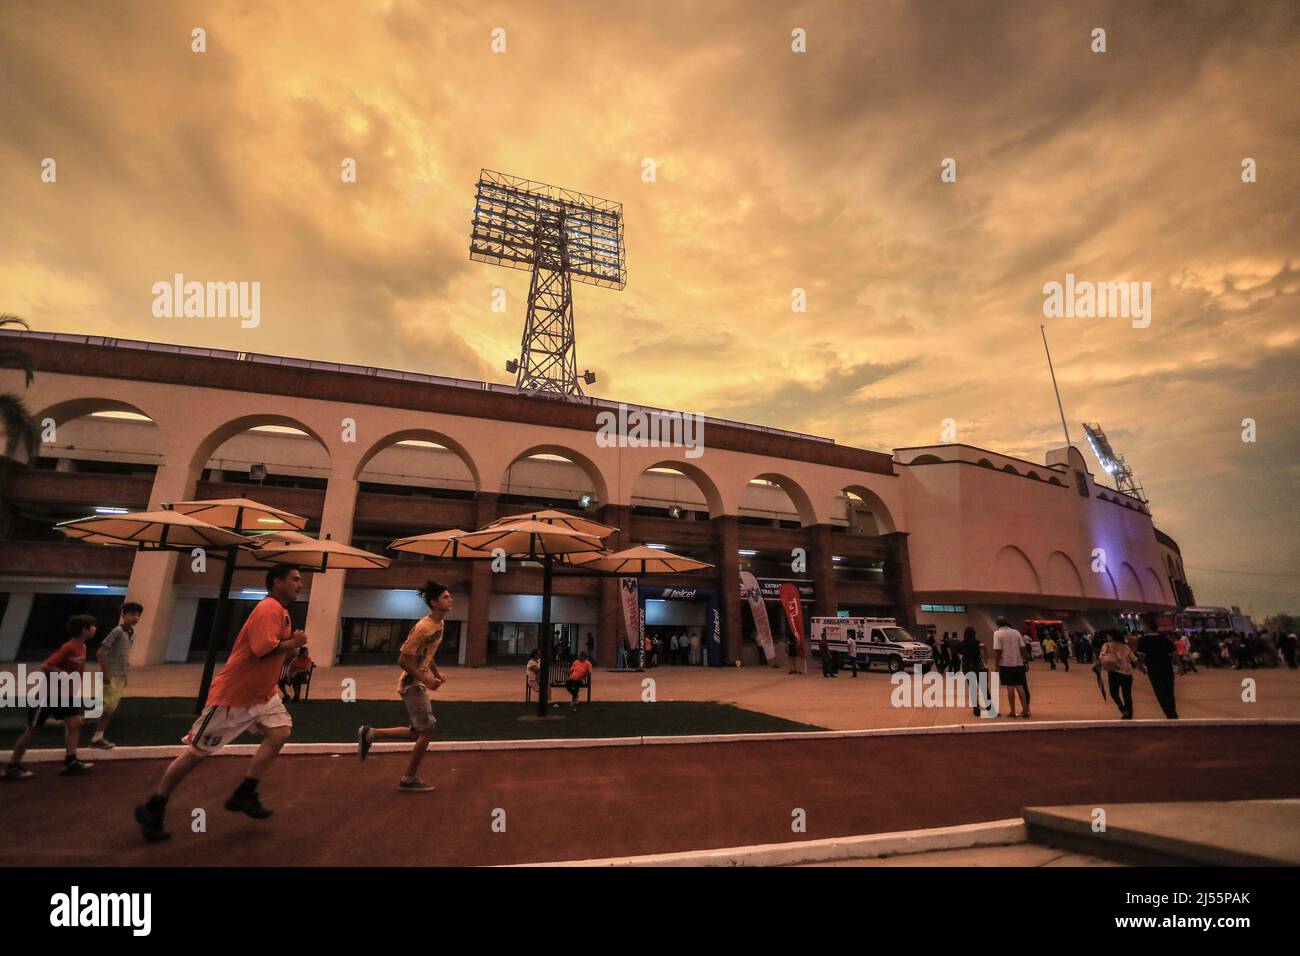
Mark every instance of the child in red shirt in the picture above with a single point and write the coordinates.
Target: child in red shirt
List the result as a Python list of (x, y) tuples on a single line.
[(70, 658)]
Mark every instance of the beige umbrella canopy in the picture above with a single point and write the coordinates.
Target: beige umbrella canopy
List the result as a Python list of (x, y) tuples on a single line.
[(640, 560), (560, 519), (241, 514), (530, 539), (440, 544), (323, 555), (144, 529)]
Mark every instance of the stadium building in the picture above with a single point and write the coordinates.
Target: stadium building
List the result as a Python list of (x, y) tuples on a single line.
[(947, 535)]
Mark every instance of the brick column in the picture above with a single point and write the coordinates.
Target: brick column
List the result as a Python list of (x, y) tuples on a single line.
[(727, 529), (325, 607), (900, 578), (480, 587), (822, 566), (153, 576), (610, 630)]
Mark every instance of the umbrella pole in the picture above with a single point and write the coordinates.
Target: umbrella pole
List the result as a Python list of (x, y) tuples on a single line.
[(220, 623), (544, 638)]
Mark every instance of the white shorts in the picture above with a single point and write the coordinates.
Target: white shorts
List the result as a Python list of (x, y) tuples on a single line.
[(219, 725)]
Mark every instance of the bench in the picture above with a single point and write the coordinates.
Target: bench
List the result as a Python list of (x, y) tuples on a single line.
[(286, 684), (559, 677)]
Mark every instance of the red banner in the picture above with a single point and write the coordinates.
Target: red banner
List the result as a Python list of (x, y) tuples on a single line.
[(793, 613)]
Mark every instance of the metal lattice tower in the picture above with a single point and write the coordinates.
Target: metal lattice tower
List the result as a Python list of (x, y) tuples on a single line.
[(548, 360), (562, 236), (1112, 463)]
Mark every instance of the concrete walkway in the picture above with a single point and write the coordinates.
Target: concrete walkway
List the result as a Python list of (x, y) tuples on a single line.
[(841, 703)]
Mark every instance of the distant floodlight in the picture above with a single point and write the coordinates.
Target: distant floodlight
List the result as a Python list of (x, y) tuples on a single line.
[(512, 366), (587, 502), (562, 237), (588, 377), (675, 512), (257, 472)]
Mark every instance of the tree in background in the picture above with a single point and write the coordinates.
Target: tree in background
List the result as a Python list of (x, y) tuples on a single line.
[(20, 430)]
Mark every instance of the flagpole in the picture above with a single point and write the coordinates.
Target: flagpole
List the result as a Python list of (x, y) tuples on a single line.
[(1059, 406)]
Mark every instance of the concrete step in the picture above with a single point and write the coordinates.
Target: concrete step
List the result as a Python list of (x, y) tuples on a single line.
[(1228, 833)]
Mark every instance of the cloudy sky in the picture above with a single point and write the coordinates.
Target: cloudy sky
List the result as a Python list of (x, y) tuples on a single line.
[(774, 170)]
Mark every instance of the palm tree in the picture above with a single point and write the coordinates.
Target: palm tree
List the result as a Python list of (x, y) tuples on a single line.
[(19, 429)]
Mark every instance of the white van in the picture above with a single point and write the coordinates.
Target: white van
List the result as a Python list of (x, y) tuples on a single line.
[(880, 641)]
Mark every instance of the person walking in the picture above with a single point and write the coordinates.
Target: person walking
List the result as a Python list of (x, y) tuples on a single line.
[(792, 652), (853, 653), (1009, 658), (114, 656), (941, 658), (1049, 651), (1156, 652), (1117, 660), (420, 674), (972, 665), (244, 696)]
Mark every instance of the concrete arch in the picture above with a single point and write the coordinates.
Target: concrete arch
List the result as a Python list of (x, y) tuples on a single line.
[(422, 434), (204, 449), (984, 463), (1130, 585), (1034, 475), (1155, 587), (1013, 571), (1063, 575), (600, 487), (803, 505), (926, 460), (73, 408), (1010, 469), (885, 520), (694, 473)]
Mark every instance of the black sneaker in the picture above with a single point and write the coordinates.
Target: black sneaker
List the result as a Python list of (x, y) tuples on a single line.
[(250, 805), (151, 824), (76, 767), (365, 739), (15, 772)]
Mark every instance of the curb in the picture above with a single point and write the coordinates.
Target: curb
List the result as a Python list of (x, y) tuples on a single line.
[(158, 751), (993, 833)]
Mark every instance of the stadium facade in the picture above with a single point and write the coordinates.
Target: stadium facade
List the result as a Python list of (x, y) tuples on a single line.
[(947, 535)]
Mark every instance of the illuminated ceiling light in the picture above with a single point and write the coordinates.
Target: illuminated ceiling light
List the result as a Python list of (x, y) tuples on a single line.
[(747, 553), (110, 511), (92, 587)]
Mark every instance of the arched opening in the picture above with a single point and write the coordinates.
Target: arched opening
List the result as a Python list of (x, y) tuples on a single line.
[(984, 463), (775, 501), (553, 476), (860, 511), (926, 460), (273, 459), (1010, 469), (673, 489), (96, 456)]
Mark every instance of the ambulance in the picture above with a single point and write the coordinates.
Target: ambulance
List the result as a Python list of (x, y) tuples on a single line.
[(880, 641)]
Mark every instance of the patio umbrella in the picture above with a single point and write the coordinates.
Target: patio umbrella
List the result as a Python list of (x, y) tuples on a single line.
[(169, 530), (560, 519), (240, 514), (163, 530), (320, 555), (439, 544), (246, 517), (543, 541), (640, 560)]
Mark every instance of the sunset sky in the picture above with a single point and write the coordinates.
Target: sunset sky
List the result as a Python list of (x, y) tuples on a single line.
[(775, 170)]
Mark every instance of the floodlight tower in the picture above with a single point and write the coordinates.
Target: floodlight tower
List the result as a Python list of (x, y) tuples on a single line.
[(1113, 464), (562, 236)]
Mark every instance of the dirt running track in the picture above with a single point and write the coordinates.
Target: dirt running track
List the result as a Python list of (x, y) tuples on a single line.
[(612, 801)]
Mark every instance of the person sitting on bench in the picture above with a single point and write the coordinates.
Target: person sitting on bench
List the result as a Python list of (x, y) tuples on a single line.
[(579, 673)]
